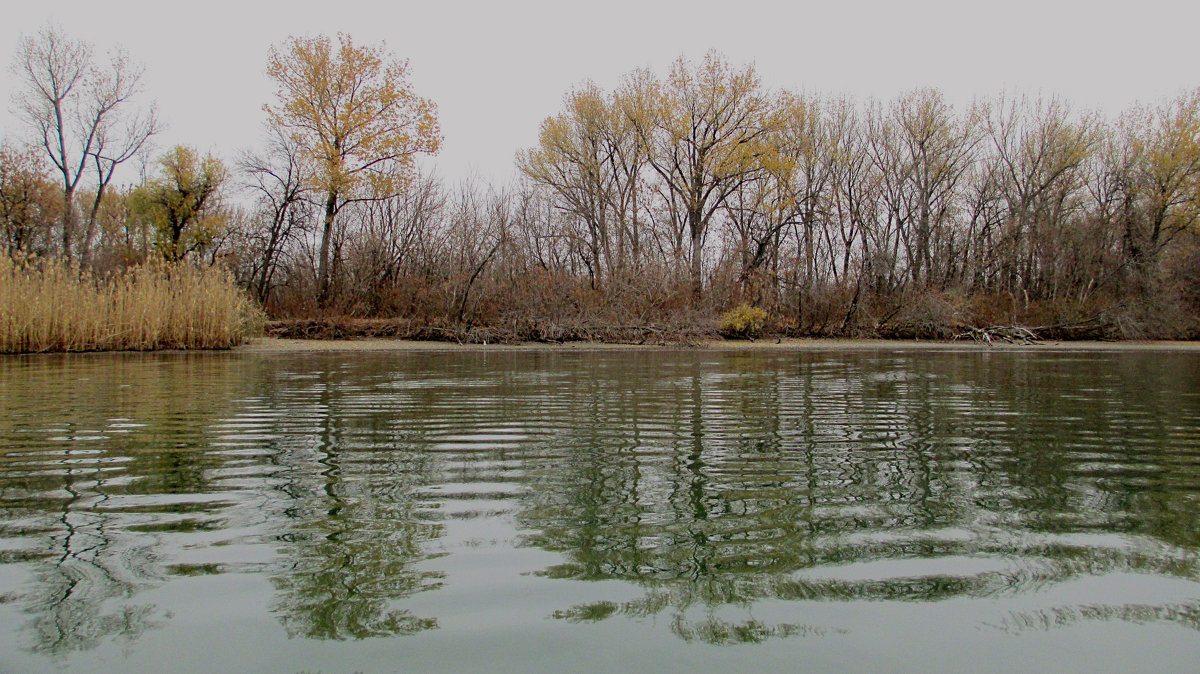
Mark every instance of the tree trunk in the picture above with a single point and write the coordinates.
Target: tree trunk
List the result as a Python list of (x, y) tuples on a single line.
[(696, 228), (323, 261), (68, 221), (89, 235)]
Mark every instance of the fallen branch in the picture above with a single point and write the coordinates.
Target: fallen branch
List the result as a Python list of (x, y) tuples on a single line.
[(1010, 334)]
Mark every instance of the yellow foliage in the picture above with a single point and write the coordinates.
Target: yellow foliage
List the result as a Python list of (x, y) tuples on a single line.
[(744, 321), (716, 120), (353, 110), (29, 201), (183, 205)]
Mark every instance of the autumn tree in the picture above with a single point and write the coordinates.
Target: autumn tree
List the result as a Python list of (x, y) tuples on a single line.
[(790, 196), (923, 150), (183, 204), (852, 226), (1041, 148), (1161, 185), (28, 202), (80, 112), (705, 129), (590, 158), (358, 119)]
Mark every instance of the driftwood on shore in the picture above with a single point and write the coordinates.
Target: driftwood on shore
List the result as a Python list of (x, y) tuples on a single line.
[(1008, 334), (1092, 329)]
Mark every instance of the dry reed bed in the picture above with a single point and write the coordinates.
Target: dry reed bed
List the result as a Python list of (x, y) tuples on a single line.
[(48, 305)]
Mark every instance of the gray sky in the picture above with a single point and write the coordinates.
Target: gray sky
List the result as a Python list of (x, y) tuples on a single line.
[(496, 69)]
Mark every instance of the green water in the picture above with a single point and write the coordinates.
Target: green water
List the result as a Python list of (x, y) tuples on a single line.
[(522, 511)]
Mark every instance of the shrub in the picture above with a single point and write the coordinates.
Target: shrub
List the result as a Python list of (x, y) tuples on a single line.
[(925, 314), (743, 322)]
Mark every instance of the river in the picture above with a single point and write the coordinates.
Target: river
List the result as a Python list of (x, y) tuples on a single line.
[(886, 509)]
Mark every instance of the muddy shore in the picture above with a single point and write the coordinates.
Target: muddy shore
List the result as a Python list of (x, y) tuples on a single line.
[(279, 345)]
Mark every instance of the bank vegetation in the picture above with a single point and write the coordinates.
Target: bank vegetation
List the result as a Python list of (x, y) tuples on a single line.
[(49, 305), (674, 207)]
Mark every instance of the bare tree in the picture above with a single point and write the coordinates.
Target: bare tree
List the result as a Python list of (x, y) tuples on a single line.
[(118, 137), (77, 110), (1041, 148), (280, 181), (389, 237)]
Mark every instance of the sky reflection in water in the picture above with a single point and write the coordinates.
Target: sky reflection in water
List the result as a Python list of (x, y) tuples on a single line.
[(588, 510)]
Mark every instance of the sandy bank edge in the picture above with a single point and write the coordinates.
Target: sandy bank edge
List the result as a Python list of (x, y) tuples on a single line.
[(267, 345)]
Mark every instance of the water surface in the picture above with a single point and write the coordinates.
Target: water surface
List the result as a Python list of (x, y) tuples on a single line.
[(884, 510)]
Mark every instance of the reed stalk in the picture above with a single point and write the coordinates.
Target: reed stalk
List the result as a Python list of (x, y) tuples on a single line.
[(48, 305)]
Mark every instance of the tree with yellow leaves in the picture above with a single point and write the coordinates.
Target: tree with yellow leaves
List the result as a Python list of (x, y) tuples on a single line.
[(590, 159), (183, 205), (707, 130), (29, 203), (1165, 144), (353, 110)]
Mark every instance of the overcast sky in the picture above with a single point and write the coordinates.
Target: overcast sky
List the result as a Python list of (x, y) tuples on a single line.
[(496, 69)]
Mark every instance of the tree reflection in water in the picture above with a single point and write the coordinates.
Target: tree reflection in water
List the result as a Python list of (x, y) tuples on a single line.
[(88, 458), (355, 533), (72, 603), (771, 484), (711, 487)]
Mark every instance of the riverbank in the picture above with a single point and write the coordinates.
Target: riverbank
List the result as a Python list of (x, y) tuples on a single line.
[(282, 345)]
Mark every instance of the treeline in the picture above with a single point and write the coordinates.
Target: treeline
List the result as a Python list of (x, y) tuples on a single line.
[(643, 213), (905, 218)]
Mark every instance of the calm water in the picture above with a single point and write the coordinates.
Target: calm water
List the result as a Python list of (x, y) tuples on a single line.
[(503, 511)]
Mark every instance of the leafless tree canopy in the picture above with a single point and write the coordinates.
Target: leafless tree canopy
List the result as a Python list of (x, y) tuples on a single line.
[(80, 113)]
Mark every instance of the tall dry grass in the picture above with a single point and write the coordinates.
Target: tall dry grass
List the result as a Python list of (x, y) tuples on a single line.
[(48, 305)]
